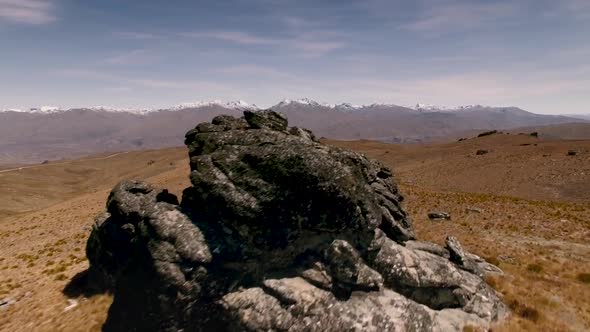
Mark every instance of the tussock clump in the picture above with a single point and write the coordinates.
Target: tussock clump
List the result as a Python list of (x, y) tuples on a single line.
[(524, 310), (488, 133), (584, 278), (535, 268)]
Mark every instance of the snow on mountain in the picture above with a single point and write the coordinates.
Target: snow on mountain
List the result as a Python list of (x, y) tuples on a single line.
[(237, 105), (313, 103), (11, 110), (301, 101), (438, 108), (45, 110), (348, 107), (240, 105), (118, 110)]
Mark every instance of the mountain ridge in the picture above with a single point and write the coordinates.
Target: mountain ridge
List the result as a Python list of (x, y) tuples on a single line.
[(49, 133), (243, 105)]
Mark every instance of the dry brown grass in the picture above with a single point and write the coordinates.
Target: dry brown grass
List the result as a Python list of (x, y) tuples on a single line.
[(42, 243), (537, 237)]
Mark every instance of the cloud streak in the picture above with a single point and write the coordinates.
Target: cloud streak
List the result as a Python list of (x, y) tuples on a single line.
[(133, 57), (452, 15), (35, 12), (307, 45), (135, 35)]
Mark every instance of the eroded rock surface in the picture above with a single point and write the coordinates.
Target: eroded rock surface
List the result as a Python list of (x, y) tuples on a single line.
[(280, 233)]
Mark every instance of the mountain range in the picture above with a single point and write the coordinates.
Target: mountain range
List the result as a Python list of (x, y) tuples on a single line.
[(49, 133)]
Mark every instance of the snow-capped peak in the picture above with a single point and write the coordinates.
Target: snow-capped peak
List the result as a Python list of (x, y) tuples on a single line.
[(11, 110), (301, 101), (237, 105), (309, 102), (438, 108), (118, 110), (45, 109), (348, 107)]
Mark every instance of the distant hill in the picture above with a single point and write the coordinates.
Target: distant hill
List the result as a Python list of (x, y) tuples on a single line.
[(392, 123), (579, 116), (48, 133)]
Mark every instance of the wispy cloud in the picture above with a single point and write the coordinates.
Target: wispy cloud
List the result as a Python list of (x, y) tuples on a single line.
[(578, 8), (305, 44), (133, 57), (253, 70), (451, 15), (135, 35), (27, 11), (142, 82), (234, 37)]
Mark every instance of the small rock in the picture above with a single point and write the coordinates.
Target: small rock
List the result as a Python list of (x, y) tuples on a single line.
[(473, 210), (506, 259), (572, 153), (6, 302), (71, 305), (481, 152), (439, 215)]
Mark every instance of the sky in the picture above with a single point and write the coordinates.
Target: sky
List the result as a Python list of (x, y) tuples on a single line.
[(533, 54)]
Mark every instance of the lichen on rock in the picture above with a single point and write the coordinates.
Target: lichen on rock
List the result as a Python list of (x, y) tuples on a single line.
[(280, 232)]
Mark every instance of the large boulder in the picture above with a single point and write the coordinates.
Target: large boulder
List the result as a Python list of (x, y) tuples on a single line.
[(280, 232)]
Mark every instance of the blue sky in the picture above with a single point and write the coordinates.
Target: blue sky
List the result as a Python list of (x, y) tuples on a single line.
[(534, 54)]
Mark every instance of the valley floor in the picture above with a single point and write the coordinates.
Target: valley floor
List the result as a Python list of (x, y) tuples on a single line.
[(523, 207)]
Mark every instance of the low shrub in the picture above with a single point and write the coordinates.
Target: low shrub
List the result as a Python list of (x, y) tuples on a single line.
[(535, 268), (583, 277)]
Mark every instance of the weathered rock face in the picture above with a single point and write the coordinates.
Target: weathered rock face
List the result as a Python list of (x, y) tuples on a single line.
[(152, 257), (280, 232)]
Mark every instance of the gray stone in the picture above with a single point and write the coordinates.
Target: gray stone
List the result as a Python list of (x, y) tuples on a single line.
[(151, 255), (428, 247), (266, 119), (279, 233), (473, 210), (439, 215)]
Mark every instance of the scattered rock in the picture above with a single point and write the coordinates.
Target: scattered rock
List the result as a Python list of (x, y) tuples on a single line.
[(487, 133), (279, 232), (481, 152), (6, 302), (438, 215), (506, 259), (71, 305), (473, 210)]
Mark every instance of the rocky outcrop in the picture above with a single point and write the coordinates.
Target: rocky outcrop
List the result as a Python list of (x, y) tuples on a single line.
[(279, 232), (152, 257)]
